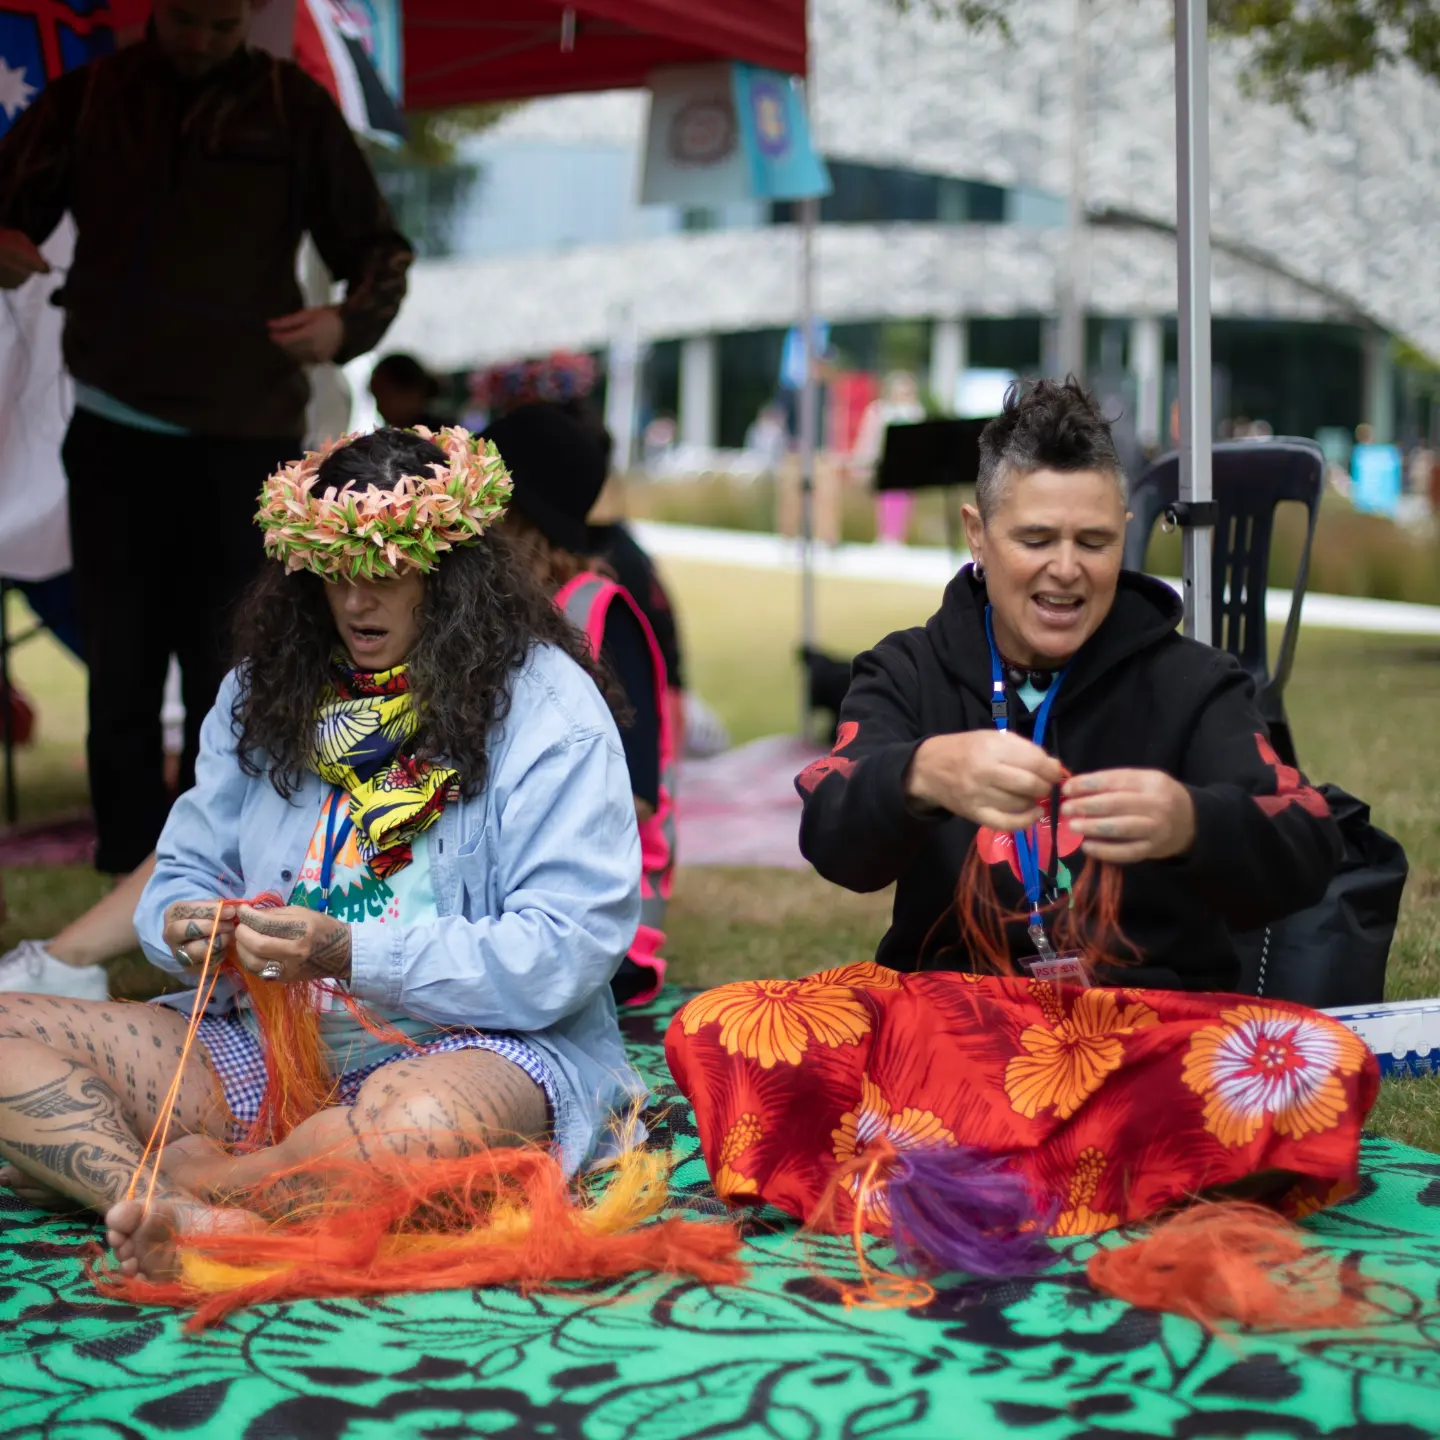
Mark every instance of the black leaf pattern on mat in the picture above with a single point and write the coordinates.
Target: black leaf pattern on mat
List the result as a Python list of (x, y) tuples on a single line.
[(650, 1358), (186, 1409), (1258, 1377), (888, 1418)]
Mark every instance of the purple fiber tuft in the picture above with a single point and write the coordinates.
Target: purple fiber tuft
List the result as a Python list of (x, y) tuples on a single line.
[(958, 1210)]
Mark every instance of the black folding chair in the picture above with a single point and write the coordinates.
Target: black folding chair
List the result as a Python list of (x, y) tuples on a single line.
[(1251, 478)]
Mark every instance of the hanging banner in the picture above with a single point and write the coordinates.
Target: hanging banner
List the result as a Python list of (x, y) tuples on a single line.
[(722, 133), (775, 136), (332, 40)]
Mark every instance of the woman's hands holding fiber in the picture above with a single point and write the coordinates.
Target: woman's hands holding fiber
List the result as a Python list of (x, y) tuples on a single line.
[(991, 777), (187, 928), (1125, 816), (303, 943)]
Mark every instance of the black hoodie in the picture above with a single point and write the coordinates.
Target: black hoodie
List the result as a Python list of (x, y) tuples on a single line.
[(1137, 694)]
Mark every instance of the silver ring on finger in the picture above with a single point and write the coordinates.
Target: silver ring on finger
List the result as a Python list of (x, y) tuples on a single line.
[(271, 970), (180, 954)]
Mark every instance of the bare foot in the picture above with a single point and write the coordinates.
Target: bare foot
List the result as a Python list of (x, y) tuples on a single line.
[(198, 1165), (144, 1244), (36, 1192)]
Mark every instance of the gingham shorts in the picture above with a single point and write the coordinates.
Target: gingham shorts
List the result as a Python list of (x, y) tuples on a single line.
[(239, 1062)]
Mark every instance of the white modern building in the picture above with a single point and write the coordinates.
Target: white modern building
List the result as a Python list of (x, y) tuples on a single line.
[(946, 243)]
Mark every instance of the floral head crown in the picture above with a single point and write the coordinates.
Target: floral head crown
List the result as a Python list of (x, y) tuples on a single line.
[(372, 534)]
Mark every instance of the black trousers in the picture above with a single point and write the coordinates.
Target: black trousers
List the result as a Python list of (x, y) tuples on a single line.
[(164, 540)]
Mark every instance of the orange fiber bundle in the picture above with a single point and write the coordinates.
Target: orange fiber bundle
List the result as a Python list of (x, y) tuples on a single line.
[(1238, 1263), (1085, 922), (298, 1082), (505, 1216)]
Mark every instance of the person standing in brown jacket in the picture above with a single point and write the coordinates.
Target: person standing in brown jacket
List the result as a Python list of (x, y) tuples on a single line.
[(192, 166)]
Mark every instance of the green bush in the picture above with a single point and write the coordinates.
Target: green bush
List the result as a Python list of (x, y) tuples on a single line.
[(1353, 554)]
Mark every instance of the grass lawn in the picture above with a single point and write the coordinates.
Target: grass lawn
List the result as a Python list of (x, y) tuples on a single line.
[(1362, 709)]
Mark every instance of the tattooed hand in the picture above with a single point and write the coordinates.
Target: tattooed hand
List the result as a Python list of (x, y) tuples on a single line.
[(304, 943), (187, 928)]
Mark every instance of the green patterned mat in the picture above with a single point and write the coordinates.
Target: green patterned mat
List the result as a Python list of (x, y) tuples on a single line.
[(777, 1360)]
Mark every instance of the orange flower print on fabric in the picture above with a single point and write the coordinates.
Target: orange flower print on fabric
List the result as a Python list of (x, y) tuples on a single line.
[(1260, 1064), (872, 1119), (863, 975), (1067, 1059), (774, 1022), (731, 1183), (1078, 1218)]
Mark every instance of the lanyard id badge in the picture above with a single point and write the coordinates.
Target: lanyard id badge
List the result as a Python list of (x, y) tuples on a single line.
[(1063, 969)]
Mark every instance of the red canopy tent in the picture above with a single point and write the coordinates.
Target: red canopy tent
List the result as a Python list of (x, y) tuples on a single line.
[(464, 52), (458, 52)]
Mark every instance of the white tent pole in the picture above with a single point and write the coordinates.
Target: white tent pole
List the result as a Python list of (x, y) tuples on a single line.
[(1192, 164), (809, 424)]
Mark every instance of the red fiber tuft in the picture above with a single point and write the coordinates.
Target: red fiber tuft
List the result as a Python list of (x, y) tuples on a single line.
[(1234, 1263)]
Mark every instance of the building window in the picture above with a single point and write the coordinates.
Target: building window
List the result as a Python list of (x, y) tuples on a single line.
[(881, 195)]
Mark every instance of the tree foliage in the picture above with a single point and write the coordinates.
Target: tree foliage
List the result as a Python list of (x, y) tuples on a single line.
[(1335, 40), (1289, 43)]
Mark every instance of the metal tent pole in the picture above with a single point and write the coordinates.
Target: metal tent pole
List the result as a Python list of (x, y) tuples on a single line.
[(809, 421), (1196, 512), (1070, 340)]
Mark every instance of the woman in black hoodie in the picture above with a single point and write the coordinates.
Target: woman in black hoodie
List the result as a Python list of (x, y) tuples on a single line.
[(1050, 714)]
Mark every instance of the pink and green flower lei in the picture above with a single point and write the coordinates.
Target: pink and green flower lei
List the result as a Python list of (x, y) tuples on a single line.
[(350, 534)]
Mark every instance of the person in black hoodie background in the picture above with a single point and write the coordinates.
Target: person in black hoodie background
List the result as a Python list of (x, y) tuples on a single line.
[(1153, 755)]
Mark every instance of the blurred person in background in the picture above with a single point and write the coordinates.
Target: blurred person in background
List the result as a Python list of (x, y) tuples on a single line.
[(768, 439), (188, 340), (558, 466), (404, 392), (898, 404)]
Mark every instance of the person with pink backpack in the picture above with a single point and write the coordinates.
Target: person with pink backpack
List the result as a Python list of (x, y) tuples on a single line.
[(558, 468)]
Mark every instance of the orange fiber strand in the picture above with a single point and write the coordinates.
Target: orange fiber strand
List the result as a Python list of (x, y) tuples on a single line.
[(209, 972), (1086, 922), (1089, 923), (505, 1216), (298, 1082), (982, 918), (1234, 1263), (862, 1181)]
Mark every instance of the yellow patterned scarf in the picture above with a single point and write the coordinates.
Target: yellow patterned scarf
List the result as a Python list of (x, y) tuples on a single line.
[(363, 728)]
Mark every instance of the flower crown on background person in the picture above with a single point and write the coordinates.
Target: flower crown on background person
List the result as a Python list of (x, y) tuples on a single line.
[(557, 378), (372, 534)]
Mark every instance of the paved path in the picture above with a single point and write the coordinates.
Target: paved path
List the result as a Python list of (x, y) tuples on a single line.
[(931, 567)]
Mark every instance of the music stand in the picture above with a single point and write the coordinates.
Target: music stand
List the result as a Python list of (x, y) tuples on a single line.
[(930, 455)]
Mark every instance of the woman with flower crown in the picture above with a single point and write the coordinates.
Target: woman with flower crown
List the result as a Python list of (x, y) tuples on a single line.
[(402, 764)]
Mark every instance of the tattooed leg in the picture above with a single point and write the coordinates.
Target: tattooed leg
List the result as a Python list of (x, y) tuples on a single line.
[(435, 1107), (111, 1060), (64, 1127)]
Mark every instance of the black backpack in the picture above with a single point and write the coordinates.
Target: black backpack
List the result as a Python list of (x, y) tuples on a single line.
[(1335, 952)]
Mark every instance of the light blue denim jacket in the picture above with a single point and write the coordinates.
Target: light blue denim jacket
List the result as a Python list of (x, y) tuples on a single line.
[(537, 883)]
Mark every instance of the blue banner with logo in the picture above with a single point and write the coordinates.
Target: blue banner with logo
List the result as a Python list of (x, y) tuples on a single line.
[(775, 136), (42, 39)]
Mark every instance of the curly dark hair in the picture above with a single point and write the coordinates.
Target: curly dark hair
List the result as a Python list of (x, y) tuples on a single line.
[(1044, 425), (482, 613)]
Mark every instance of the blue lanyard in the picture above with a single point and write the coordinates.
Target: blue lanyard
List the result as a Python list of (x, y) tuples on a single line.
[(334, 840), (1027, 842)]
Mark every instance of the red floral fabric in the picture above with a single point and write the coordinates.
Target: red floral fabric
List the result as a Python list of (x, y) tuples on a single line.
[(1113, 1104)]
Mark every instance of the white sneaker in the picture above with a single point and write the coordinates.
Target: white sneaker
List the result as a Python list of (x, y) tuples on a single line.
[(32, 968)]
